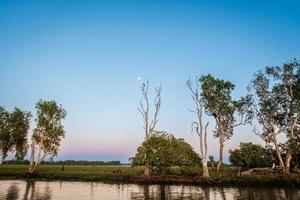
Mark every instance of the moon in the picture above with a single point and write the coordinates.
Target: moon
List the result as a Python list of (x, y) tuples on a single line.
[(138, 78)]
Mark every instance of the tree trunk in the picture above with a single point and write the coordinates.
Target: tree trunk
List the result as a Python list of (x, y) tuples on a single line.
[(31, 157), (163, 172), (288, 162), (38, 159), (205, 168), (278, 154), (220, 155), (147, 170), (1, 160)]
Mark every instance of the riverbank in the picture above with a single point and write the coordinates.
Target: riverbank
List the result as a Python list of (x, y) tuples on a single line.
[(127, 174)]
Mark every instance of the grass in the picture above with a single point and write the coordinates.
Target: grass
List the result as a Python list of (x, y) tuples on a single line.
[(128, 174), (71, 172)]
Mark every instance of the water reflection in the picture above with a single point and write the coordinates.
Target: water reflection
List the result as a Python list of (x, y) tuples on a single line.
[(29, 190), (12, 192), (164, 192)]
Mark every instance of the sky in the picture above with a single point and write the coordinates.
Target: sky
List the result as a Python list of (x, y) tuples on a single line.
[(88, 55)]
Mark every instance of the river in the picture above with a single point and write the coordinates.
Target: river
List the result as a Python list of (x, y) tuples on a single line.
[(42, 190)]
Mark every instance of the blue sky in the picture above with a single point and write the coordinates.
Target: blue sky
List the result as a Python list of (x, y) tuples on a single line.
[(87, 56)]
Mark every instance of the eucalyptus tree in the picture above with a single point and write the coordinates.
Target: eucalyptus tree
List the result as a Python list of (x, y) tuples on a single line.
[(144, 109), (48, 133), (19, 127), (199, 126), (217, 100), (6, 141), (276, 94), (14, 128)]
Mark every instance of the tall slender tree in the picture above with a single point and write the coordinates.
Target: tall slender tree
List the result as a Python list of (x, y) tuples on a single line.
[(199, 126), (217, 98), (144, 109), (14, 128), (48, 133), (6, 141), (20, 124), (276, 94)]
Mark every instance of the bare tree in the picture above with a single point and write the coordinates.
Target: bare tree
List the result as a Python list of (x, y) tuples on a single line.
[(144, 109), (198, 125)]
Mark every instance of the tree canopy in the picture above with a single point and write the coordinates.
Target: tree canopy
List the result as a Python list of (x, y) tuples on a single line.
[(218, 102), (14, 128), (48, 133), (49, 130), (249, 155), (276, 94), (163, 150), (19, 121), (6, 140)]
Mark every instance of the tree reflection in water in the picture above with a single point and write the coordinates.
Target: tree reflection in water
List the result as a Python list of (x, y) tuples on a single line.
[(166, 192), (30, 192), (12, 192), (269, 193)]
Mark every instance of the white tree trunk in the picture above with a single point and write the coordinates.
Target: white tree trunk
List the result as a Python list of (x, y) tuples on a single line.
[(32, 157), (198, 125), (1, 160), (220, 163), (288, 162), (205, 168), (278, 153), (38, 159)]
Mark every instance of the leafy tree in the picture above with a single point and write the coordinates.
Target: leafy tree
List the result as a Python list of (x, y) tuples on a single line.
[(13, 132), (20, 124), (6, 140), (218, 102), (48, 133), (276, 91), (250, 155), (163, 150)]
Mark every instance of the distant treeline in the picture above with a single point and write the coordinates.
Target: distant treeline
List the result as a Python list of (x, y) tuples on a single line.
[(66, 162)]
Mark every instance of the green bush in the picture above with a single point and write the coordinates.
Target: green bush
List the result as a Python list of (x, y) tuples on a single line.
[(163, 150), (250, 155)]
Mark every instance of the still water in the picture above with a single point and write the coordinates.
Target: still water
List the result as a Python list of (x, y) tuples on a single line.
[(38, 190)]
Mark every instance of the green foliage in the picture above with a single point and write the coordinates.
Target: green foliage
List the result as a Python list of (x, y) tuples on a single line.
[(13, 132), (250, 155), (216, 95), (163, 150), (218, 102), (19, 122), (6, 140), (49, 131), (276, 90)]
